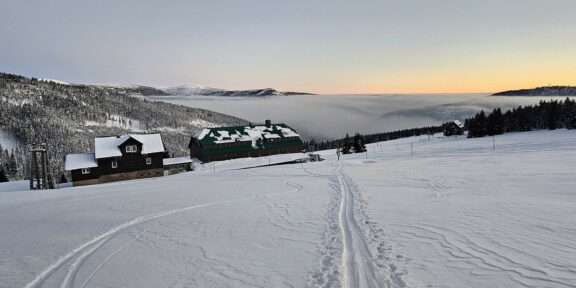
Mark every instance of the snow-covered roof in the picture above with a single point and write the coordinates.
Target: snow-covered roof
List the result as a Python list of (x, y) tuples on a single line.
[(458, 123), (80, 161), (106, 147), (179, 160), (244, 133)]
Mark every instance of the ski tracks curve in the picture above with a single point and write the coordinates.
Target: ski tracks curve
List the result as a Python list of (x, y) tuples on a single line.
[(81, 253)]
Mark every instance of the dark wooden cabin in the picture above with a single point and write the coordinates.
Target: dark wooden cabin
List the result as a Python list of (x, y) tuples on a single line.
[(223, 143), (116, 158), (453, 128)]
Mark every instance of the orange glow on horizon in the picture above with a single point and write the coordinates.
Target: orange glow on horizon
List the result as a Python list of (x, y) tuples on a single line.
[(465, 82)]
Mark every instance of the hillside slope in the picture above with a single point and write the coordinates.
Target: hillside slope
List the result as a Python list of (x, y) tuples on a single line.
[(541, 91), (67, 117), (454, 213)]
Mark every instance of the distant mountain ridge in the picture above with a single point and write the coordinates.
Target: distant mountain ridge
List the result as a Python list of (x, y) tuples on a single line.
[(183, 90), (187, 90), (541, 91)]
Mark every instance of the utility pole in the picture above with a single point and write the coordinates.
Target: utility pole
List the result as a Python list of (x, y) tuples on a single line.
[(411, 149), (493, 142), (33, 168)]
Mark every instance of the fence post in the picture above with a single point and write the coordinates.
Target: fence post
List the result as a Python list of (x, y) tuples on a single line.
[(493, 142)]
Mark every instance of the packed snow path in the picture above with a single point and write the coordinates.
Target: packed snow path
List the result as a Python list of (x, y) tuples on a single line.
[(357, 261), (454, 213)]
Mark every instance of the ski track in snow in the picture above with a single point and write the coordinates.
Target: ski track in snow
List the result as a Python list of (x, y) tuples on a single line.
[(82, 252), (354, 254), (360, 268), (357, 261), (328, 275), (110, 257)]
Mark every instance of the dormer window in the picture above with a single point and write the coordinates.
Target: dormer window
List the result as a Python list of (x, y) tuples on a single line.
[(131, 149)]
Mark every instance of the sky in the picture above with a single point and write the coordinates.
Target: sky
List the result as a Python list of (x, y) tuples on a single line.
[(319, 46)]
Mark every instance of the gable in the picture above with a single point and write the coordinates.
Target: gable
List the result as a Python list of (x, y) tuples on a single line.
[(106, 147)]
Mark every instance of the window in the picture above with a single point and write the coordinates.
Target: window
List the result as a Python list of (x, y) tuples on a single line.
[(148, 161), (131, 149), (86, 171), (114, 164)]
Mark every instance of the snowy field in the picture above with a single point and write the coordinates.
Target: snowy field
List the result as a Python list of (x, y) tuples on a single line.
[(332, 116), (444, 212)]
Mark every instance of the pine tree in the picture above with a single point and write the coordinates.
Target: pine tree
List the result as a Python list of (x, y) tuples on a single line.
[(346, 145), (482, 124), (12, 166), (495, 122), (553, 115), (63, 179), (569, 113), (571, 122), (359, 145), (3, 177)]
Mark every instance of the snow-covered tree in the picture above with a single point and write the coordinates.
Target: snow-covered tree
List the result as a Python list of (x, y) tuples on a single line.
[(3, 177), (359, 146)]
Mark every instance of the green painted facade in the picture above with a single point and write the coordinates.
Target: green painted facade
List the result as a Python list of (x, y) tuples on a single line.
[(209, 148)]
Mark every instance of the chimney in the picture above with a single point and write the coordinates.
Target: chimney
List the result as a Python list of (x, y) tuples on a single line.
[(268, 123)]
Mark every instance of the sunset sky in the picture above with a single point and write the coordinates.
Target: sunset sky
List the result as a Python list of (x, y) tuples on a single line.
[(336, 46)]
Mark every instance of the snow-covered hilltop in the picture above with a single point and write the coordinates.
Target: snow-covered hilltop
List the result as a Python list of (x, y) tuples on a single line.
[(53, 80), (190, 90), (130, 89), (541, 91)]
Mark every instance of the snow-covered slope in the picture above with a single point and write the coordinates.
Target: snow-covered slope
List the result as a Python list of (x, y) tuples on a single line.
[(444, 212), (131, 89), (68, 117), (190, 90)]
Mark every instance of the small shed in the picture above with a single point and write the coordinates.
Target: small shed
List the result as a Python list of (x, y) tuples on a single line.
[(178, 165)]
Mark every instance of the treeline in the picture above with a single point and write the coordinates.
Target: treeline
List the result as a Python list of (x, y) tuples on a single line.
[(550, 115), (354, 145), (314, 145)]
